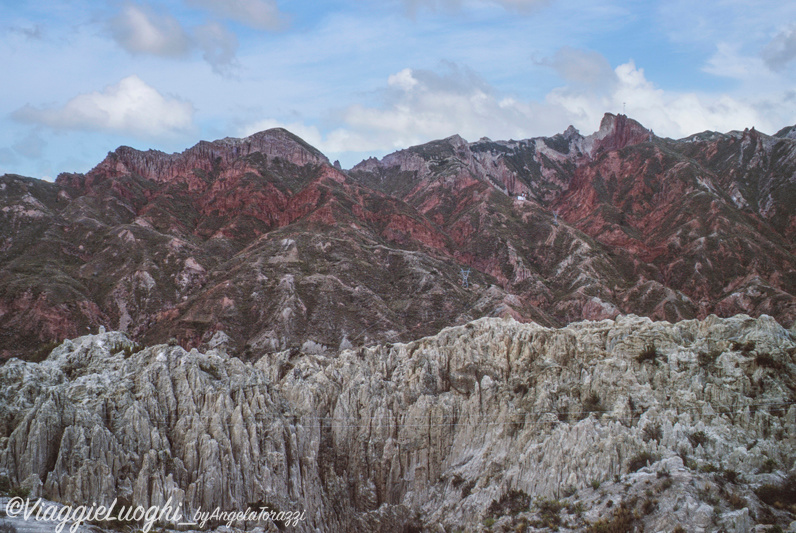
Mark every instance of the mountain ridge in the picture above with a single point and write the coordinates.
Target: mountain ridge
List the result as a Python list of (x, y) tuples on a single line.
[(263, 239)]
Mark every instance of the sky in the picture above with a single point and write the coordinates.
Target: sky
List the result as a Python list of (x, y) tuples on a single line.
[(367, 77)]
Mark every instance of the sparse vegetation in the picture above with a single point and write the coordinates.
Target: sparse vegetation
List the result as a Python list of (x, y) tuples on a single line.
[(592, 404), (766, 360), (41, 353), (648, 506), (549, 514), (736, 501), (128, 350), (745, 347), (708, 358), (769, 465), (595, 484), (621, 522), (730, 476), (708, 468), (653, 432), (467, 488), (639, 461), (649, 353), (698, 438), (780, 495), (577, 508), (706, 495), (19, 492), (511, 503), (568, 491)]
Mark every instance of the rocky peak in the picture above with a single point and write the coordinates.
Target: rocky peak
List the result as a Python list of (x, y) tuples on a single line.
[(788, 132), (571, 133), (206, 156), (616, 132)]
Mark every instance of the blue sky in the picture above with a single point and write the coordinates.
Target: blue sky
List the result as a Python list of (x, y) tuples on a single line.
[(367, 77)]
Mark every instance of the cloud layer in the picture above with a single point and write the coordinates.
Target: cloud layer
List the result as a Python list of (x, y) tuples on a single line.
[(140, 30), (258, 14), (129, 107), (420, 105), (361, 78)]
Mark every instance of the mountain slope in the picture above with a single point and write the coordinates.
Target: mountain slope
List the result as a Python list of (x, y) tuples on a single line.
[(263, 239)]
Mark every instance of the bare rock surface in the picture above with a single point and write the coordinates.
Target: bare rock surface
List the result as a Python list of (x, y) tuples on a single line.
[(492, 424)]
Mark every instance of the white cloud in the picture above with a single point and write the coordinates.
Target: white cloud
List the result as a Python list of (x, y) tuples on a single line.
[(31, 146), (129, 107), (259, 14), (141, 31), (581, 66), (672, 114), (218, 46), (420, 105), (522, 6), (781, 50), (728, 61)]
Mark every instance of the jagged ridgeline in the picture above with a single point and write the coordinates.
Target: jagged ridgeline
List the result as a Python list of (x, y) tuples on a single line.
[(260, 242), (596, 426)]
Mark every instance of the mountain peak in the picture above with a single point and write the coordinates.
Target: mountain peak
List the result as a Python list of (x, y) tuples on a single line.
[(159, 166), (616, 132), (788, 132)]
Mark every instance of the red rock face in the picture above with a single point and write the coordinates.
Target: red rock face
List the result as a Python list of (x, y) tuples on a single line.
[(262, 238)]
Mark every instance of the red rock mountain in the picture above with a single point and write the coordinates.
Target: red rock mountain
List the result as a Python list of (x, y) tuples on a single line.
[(262, 239)]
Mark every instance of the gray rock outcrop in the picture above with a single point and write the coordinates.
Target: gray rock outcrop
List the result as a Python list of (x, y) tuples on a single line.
[(674, 423)]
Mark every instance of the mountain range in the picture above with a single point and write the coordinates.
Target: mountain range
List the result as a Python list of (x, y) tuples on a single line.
[(261, 244)]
